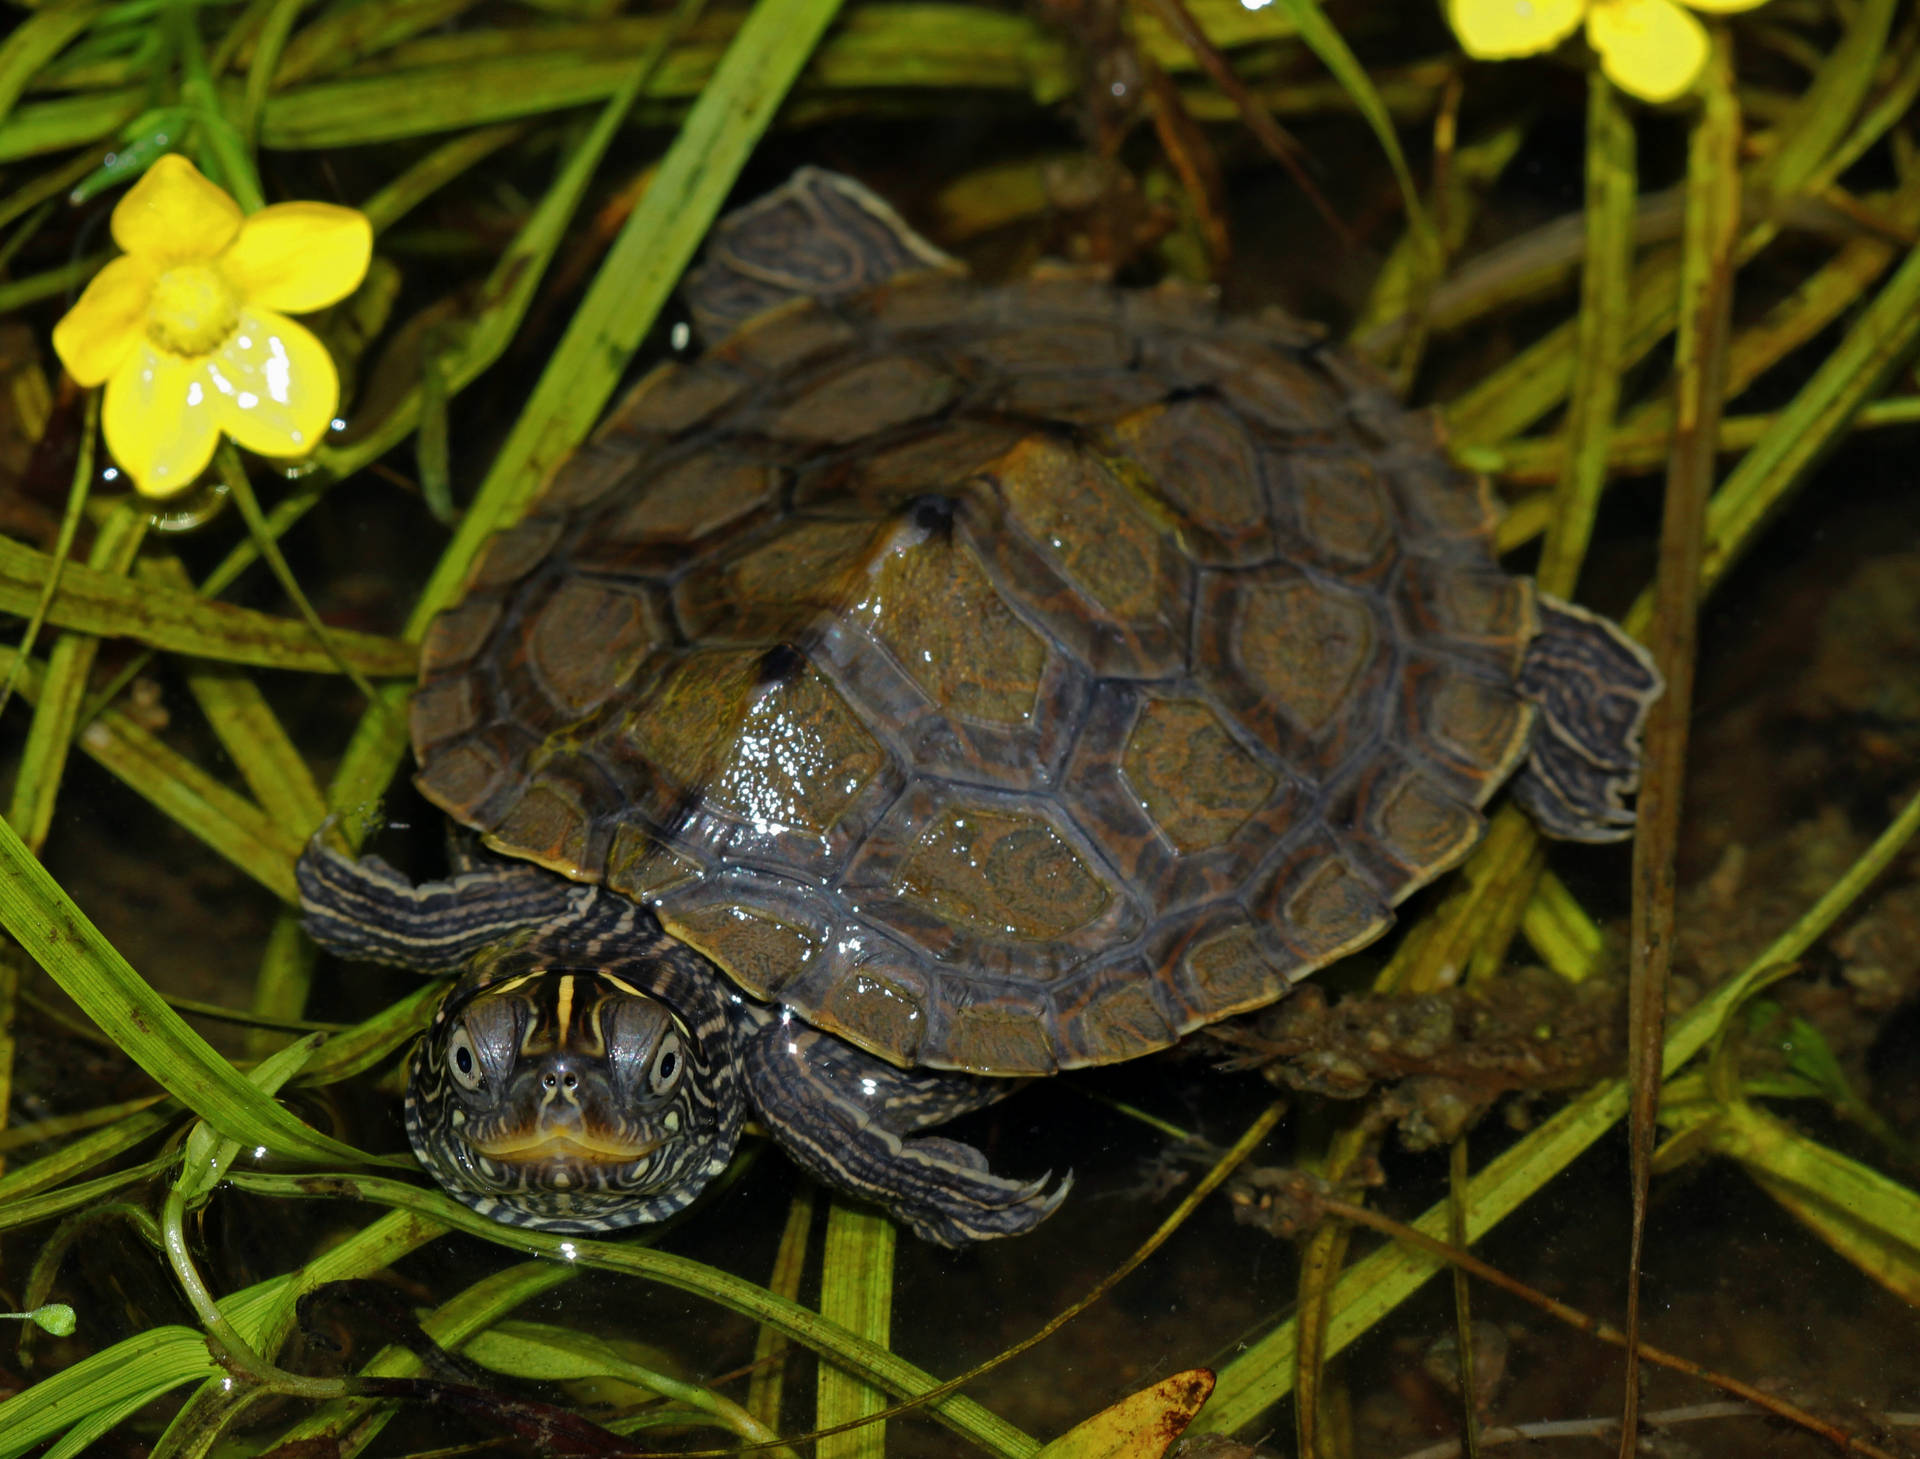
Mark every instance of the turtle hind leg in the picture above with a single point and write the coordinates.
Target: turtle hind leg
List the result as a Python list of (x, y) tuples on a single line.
[(1592, 686), (819, 235), (849, 1119)]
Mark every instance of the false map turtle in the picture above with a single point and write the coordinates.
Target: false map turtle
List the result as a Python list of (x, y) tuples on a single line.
[(932, 686)]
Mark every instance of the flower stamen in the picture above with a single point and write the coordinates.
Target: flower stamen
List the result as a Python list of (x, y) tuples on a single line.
[(194, 310)]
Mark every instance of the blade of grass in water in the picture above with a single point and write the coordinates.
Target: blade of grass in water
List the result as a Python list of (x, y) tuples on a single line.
[(100, 603), (1600, 334), (59, 936), (655, 244), (1706, 311), (962, 1415), (856, 1291), (767, 1386), (63, 543), (248, 729), (43, 760)]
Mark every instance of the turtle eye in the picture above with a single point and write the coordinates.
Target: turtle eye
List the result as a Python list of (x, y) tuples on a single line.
[(463, 1064), (668, 1063)]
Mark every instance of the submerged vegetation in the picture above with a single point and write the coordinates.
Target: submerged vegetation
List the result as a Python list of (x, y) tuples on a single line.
[(535, 177)]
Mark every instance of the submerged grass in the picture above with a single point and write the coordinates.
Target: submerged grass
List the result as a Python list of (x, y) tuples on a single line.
[(228, 81)]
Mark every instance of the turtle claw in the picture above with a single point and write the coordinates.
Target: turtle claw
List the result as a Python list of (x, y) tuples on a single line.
[(963, 1211), (848, 1119)]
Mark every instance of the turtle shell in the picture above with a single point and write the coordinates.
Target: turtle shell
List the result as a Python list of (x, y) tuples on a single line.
[(1005, 679)]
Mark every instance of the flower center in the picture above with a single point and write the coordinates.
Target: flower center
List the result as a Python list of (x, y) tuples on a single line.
[(193, 310)]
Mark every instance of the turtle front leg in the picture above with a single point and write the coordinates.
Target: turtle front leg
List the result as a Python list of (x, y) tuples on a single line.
[(846, 1117), (363, 908)]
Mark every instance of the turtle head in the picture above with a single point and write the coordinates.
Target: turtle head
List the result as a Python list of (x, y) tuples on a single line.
[(566, 1099)]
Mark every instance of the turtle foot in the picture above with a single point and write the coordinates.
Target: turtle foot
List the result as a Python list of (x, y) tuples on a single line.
[(848, 1119)]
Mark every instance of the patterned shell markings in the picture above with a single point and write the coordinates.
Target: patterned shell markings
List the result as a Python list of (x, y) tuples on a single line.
[(1005, 679)]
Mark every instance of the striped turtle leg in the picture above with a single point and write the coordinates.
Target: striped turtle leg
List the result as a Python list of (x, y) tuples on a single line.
[(365, 909), (1592, 686), (846, 1117)]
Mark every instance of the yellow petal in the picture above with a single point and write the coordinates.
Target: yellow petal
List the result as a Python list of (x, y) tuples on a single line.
[(274, 385), (1725, 7), (94, 338), (159, 420), (1651, 48), (173, 214), (1496, 30), (299, 256)]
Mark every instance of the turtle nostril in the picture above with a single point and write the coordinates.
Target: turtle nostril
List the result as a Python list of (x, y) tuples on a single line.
[(573, 1081)]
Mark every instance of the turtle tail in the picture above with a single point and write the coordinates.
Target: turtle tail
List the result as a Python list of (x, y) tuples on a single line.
[(1592, 686)]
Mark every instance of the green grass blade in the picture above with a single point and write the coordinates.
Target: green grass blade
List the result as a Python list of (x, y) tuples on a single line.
[(58, 936), (1328, 44), (224, 820), (1872, 1221), (141, 1368), (856, 1291), (542, 1352), (101, 603), (510, 288), (1599, 337), (81, 1154), (30, 1210), (964, 1416), (646, 260), (43, 760), (34, 42)]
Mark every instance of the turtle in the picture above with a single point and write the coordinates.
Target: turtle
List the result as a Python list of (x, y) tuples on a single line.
[(931, 686)]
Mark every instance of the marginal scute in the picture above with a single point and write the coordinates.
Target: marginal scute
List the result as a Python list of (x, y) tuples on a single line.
[(1474, 729), (1118, 1019), (1232, 971), (994, 1040), (1001, 874), (550, 822), (673, 398), (512, 554), (1408, 826), (1191, 775), (465, 779), (760, 953), (444, 710), (458, 635), (881, 1008), (1319, 904), (642, 866), (776, 587), (1054, 347)]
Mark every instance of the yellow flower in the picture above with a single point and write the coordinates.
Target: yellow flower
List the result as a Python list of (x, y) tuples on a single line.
[(1651, 48), (187, 328)]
